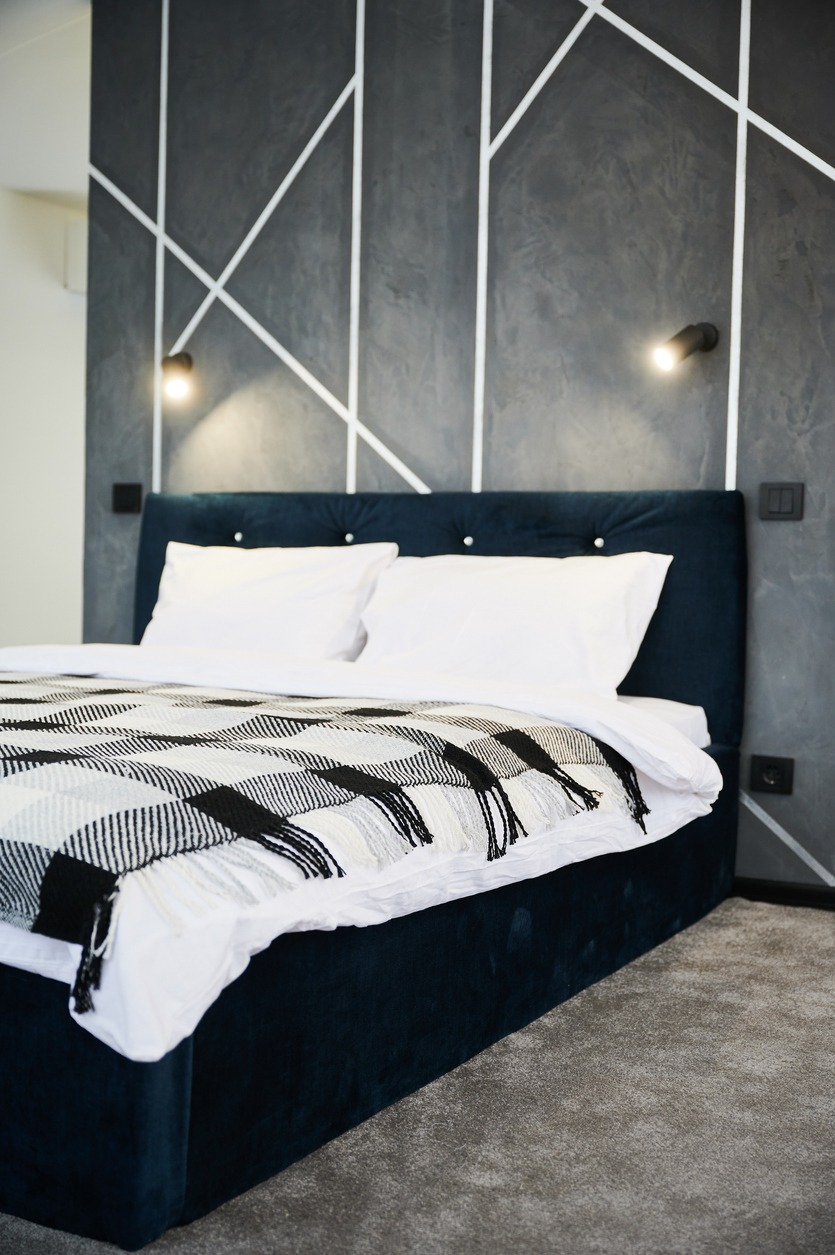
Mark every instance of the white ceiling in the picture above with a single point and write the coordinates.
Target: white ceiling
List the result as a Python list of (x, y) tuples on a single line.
[(45, 96)]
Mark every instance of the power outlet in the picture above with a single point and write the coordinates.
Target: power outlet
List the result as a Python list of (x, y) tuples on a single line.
[(771, 775)]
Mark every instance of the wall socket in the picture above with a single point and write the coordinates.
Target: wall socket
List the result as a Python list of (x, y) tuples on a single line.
[(770, 774)]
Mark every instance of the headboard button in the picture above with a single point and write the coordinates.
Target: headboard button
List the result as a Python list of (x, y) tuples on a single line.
[(599, 542), (349, 538), (468, 540), (238, 537)]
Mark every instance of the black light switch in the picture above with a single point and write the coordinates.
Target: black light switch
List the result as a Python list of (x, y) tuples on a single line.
[(781, 502), (127, 498)]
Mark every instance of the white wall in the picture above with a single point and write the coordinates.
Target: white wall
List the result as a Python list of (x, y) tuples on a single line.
[(44, 94), (44, 129), (42, 330)]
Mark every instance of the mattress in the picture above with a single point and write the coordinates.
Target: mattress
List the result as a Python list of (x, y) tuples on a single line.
[(169, 965)]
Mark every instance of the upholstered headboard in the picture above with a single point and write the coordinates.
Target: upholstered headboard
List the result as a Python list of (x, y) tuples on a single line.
[(694, 650)]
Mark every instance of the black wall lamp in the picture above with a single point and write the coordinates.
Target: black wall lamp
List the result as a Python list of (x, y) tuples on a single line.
[(698, 337), (176, 375)]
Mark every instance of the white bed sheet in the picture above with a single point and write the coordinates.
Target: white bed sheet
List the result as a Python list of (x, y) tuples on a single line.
[(690, 721), (165, 970)]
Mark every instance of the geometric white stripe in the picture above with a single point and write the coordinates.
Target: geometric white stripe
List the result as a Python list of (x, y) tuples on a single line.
[(595, 7), (159, 262), (370, 438), (682, 68), (746, 117), (356, 243), (306, 376), (481, 247), (787, 839), (735, 339), (262, 219), (487, 151), (125, 201), (533, 91), (659, 51), (805, 154)]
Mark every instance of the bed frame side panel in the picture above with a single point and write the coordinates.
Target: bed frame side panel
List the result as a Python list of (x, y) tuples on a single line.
[(91, 1142), (372, 1014)]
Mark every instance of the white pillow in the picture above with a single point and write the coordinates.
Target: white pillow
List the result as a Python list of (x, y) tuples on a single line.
[(306, 601), (575, 622)]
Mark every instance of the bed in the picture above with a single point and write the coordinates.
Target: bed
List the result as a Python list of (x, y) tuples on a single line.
[(325, 1027)]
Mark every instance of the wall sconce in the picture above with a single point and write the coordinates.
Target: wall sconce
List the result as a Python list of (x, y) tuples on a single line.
[(701, 337), (176, 375)]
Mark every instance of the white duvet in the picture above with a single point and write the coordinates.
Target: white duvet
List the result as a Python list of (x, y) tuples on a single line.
[(169, 963)]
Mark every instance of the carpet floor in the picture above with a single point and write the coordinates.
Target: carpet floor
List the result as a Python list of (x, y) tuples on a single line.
[(683, 1106)]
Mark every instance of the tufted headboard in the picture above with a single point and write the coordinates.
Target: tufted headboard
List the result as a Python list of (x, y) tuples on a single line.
[(694, 650)]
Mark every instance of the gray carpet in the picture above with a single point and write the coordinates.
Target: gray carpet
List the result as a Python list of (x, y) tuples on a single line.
[(684, 1105)]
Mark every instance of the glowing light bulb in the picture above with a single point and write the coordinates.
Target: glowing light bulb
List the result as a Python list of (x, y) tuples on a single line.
[(176, 375), (176, 387), (664, 358)]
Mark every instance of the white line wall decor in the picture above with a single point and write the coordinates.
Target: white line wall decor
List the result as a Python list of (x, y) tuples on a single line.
[(551, 88), (356, 255), (481, 261), (732, 439), (159, 296), (593, 6), (662, 53), (787, 839), (217, 287), (488, 149), (263, 218)]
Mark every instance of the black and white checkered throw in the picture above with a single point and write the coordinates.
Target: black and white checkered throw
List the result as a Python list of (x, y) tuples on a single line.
[(100, 779)]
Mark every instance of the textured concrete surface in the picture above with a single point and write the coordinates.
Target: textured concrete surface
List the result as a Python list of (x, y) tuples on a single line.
[(683, 1105), (611, 222), (296, 277), (703, 36), (248, 86), (126, 66), (251, 423), (787, 433), (597, 200), (120, 354), (526, 34), (420, 189), (792, 54)]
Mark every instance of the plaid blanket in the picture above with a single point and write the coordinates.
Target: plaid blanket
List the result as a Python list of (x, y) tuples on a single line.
[(103, 779)]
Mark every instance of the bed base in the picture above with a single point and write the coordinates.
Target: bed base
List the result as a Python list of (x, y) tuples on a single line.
[(327, 1028)]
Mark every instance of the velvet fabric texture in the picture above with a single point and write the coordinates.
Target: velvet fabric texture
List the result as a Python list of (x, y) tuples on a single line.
[(90, 1141), (371, 1014), (691, 653), (321, 1031)]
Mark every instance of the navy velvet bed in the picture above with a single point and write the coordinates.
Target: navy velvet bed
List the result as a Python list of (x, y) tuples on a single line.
[(326, 1028)]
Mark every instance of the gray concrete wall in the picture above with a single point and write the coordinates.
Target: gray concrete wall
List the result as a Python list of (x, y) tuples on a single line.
[(609, 217)]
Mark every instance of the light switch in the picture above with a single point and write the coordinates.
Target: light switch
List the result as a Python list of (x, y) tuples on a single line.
[(127, 499), (781, 502)]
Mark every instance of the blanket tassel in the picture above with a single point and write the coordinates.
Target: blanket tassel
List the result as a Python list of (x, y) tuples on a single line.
[(88, 975)]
